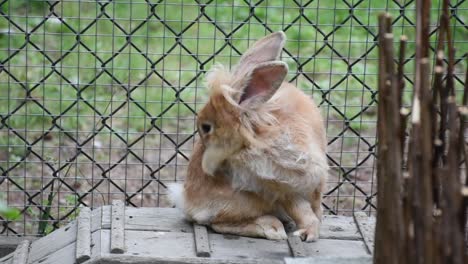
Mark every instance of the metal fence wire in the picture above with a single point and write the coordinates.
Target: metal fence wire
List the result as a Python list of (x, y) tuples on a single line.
[(98, 98)]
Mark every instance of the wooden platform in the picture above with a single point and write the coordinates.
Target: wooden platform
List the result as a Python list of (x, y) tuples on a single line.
[(118, 234)]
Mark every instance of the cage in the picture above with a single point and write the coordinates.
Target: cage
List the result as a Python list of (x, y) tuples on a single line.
[(98, 99)]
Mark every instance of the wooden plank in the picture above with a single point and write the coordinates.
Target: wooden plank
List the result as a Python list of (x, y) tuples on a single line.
[(65, 255), (126, 259), (237, 247), (20, 256), (117, 245), (172, 219), (8, 244), (96, 216), (296, 247), (339, 227), (151, 219), (366, 227), (106, 217), (155, 244), (329, 260), (83, 236), (161, 244), (96, 243), (7, 259), (53, 242), (337, 248), (202, 243)]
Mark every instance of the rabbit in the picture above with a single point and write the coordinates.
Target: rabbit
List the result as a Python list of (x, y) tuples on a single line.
[(261, 151)]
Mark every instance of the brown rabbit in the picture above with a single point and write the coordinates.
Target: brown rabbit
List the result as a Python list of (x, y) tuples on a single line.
[(262, 151)]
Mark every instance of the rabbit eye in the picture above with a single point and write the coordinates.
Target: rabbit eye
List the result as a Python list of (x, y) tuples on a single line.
[(206, 128)]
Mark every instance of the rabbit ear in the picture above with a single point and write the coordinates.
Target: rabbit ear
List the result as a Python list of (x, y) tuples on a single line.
[(263, 81), (266, 49)]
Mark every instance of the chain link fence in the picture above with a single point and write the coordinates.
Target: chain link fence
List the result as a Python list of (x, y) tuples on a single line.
[(98, 98)]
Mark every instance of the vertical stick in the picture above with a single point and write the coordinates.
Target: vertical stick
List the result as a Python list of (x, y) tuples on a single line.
[(401, 87), (389, 217)]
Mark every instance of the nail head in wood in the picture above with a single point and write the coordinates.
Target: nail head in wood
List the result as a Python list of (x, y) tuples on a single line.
[(83, 236), (117, 242), (202, 243), (20, 256), (296, 246)]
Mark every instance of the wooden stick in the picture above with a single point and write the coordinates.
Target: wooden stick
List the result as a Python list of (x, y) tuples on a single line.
[(401, 87), (389, 218)]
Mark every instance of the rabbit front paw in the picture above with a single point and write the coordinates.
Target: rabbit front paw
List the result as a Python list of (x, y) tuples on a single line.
[(273, 233), (309, 234), (272, 228)]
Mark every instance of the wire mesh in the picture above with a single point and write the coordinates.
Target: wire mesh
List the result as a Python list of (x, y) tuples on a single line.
[(98, 98)]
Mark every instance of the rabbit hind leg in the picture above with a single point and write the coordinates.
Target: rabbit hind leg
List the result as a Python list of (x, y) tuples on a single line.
[(266, 226)]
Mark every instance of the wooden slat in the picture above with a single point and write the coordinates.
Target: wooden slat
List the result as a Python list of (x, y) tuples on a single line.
[(154, 244), (96, 216), (336, 248), (83, 236), (171, 219), (202, 243), (330, 260), (113, 259), (151, 219), (339, 227), (117, 242), (7, 259), (65, 255), (53, 242), (106, 217), (8, 244), (20, 256), (296, 247), (246, 248), (366, 226)]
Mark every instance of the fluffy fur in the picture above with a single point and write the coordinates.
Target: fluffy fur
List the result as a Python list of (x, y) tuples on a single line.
[(261, 153)]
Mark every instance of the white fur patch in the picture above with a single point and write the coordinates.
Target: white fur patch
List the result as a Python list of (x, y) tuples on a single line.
[(203, 215), (176, 194)]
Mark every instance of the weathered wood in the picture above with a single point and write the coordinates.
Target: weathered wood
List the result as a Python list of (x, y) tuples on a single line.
[(404, 112), (65, 255), (125, 259), (389, 173), (421, 168), (151, 219), (96, 218), (337, 248), (83, 236), (434, 215), (20, 256), (7, 259), (154, 244), (117, 245), (237, 247), (106, 217), (171, 219), (296, 247), (53, 242), (338, 227), (8, 244), (151, 245), (330, 260), (202, 243), (366, 227), (97, 248)]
